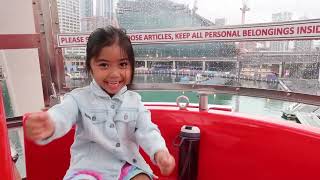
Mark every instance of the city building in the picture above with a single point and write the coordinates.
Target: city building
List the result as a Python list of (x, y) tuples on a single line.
[(316, 45), (281, 16), (280, 45), (69, 21), (105, 8), (133, 16), (86, 8), (250, 46), (88, 24), (103, 16), (220, 21), (161, 14), (305, 45)]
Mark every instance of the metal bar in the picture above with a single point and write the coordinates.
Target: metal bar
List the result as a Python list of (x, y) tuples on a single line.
[(241, 91), (19, 41), (14, 122), (44, 64), (203, 101), (51, 59), (54, 54)]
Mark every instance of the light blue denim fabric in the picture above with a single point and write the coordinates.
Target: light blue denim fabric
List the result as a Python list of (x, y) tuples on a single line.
[(109, 130)]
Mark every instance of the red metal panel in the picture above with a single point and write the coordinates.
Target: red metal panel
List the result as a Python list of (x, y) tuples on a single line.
[(231, 147), (48, 162), (235, 147), (19, 41), (6, 171)]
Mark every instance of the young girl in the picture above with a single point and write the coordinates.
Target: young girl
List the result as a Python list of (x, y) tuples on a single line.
[(111, 121)]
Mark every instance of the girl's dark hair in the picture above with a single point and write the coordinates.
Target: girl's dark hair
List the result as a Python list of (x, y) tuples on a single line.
[(107, 36)]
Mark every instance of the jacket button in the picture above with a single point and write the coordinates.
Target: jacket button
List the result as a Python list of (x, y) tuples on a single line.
[(118, 145), (125, 117), (112, 106), (111, 126), (134, 160), (93, 118)]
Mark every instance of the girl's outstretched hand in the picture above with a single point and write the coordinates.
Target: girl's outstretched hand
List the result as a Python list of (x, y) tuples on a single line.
[(165, 162), (39, 126)]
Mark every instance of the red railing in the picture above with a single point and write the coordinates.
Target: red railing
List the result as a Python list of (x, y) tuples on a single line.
[(6, 172)]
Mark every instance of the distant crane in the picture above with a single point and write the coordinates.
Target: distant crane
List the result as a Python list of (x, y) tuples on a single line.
[(243, 10), (195, 6), (194, 9), (240, 48)]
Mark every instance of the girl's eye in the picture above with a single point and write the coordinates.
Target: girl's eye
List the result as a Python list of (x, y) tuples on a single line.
[(103, 65), (124, 65)]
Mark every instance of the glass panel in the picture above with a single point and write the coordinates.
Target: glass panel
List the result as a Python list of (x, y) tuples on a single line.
[(16, 142), (273, 65)]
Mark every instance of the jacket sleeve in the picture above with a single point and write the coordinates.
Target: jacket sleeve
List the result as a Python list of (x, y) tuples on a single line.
[(64, 116), (147, 133)]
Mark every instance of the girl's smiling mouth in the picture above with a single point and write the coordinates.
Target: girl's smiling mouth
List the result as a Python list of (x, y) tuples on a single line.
[(113, 85)]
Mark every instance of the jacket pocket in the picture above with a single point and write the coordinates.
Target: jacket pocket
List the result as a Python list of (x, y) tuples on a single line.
[(96, 116), (125, 123)]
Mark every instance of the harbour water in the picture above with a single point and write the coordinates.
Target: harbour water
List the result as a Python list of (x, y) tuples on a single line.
[(250, 105)]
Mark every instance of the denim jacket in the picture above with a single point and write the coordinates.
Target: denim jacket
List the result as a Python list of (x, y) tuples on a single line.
[(109, 130)]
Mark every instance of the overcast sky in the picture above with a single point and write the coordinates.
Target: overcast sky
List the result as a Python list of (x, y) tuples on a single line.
[(260, 10)]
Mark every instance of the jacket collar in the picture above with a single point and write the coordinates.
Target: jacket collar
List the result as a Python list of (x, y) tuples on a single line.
[(98, 91)]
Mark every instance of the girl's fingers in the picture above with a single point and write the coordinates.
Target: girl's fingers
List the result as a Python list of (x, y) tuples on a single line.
[(38, 131), (166, 164), (40, 136), (38, 126), (34, 135), (166, 159)]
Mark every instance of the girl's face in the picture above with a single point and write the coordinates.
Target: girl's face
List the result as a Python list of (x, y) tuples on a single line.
[(111, 69)]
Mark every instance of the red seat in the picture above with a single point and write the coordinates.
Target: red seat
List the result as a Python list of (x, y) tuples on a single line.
[(232, 146), (51, 161)]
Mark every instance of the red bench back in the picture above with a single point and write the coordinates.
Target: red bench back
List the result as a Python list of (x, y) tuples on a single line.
[(231, 147)]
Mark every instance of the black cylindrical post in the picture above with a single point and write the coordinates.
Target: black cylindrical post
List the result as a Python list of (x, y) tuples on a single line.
[(188, 152)]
